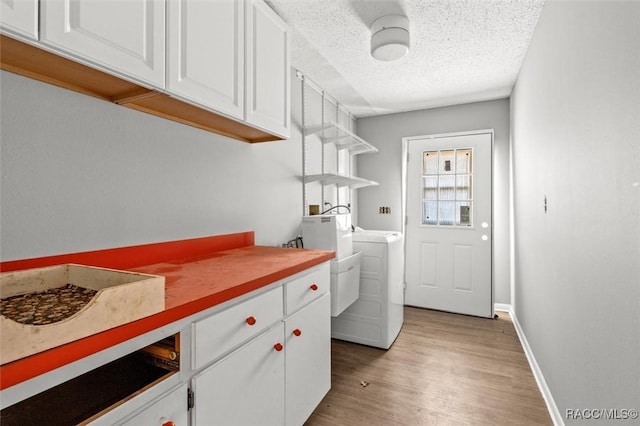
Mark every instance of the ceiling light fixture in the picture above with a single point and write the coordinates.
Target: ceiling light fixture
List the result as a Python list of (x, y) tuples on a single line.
[(390, 37)]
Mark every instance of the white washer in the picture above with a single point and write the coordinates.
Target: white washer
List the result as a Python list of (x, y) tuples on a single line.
[(376, 317)]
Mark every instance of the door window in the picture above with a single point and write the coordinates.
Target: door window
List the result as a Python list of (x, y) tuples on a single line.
[(447, 196)]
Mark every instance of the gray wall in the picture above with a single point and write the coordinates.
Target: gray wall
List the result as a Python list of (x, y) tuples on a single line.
[(386, 133), (576, 139), (81, 174)]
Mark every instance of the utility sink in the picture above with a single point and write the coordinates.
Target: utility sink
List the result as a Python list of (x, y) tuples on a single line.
[(46, 307)]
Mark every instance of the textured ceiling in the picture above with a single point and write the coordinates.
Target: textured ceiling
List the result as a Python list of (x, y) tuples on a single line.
[(461, 50)]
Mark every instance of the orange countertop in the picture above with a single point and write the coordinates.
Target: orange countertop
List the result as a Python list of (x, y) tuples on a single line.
[(208, 277), (198, 283)]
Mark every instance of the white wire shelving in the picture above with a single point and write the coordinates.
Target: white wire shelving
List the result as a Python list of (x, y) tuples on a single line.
[(341, 180), (329, 147), (330, 132)]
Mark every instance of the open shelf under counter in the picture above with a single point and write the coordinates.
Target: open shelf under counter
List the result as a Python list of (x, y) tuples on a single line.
[(330, 132), (96, 393)]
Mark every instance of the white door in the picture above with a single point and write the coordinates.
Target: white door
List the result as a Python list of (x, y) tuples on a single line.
[(206, 53), (448, 230), (122, 37), (267, 69), (307, 359), (245, 388), (20, 18), (170, 409)]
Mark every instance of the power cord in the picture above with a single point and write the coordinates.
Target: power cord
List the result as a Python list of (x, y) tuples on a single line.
[(295, 243)]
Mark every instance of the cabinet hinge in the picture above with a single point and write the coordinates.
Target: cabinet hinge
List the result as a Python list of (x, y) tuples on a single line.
[(190, 399)]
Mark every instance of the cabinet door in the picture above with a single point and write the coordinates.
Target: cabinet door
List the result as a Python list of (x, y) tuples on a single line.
[(308, 359), (20, 17), (206, 53), (170, 408), (122, 37), (268, 102), (246, 387)]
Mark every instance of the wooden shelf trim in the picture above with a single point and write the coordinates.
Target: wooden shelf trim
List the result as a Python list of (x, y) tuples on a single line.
[(30, 61)]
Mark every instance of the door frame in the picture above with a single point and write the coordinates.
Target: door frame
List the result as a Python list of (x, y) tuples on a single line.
[(405, 177)]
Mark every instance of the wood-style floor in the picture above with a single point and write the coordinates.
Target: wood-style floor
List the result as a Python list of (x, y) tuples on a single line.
[(444, 369)]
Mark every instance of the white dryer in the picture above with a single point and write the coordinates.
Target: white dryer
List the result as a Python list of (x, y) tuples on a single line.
[(376, 317)]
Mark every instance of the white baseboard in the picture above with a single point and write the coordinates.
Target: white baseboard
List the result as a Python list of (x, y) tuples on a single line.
[(502, 307), (535, 368)]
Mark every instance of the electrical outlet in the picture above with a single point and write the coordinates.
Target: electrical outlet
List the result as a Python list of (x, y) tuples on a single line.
[(384, 210)]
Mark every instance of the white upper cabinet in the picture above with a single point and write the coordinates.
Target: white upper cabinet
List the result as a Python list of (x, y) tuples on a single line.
[(268, 101), (19, 17), (125, 37), (206, 53), (229, 58)]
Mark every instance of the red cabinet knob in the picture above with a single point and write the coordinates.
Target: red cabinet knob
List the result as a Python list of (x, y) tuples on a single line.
[(297, 332), (314, 287), (169, 423), (251, 320), (278, 347)]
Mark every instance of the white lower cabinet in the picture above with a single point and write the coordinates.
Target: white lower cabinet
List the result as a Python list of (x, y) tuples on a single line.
[(170, 409), (244, 388), (307, 359), (277, 377)]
